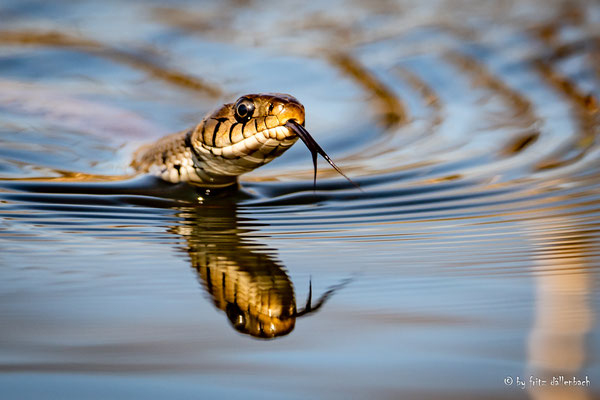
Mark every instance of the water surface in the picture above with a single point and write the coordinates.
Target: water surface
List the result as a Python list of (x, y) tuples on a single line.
[(470, 257)]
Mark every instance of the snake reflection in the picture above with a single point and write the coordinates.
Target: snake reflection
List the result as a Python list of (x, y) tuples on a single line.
[(243, 278)]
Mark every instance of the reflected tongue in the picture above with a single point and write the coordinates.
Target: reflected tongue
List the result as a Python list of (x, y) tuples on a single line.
[(314, 149)]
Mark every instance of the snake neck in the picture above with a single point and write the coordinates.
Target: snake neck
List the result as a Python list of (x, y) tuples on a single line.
[(175, 159)]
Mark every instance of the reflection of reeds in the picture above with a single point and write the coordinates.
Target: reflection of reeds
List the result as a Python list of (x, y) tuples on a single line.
[(207, 21), (585, 105), (586, 116), (482, 77), (523, 110), (427, 93), (142, 62), (386, 104), (520, 143), (71, 176), (585, 101), (563, 313)]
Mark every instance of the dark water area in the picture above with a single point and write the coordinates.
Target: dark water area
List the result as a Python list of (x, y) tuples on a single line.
[(466, 268)]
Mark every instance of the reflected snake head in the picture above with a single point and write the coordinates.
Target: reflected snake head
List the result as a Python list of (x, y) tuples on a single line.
[(279, 323), (251, 288)]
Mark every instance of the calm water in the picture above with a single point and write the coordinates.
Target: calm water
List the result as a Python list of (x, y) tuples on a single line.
[(470, 260)]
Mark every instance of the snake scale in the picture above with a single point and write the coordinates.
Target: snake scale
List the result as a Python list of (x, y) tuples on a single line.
[(251, 288), (234, 139)]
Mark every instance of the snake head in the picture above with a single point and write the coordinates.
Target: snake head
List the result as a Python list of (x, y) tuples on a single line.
[(275, 322), (241, 136), (234, 139), (257, 128)]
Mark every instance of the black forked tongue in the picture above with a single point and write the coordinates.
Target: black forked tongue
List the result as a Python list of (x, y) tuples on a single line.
[(310, 308), (314, 149)]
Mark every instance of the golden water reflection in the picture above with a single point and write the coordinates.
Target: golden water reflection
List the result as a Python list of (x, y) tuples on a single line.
[(243, 278), (563, 314)]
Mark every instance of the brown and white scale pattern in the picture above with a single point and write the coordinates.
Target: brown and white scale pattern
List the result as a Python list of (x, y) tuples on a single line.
[(235, 139)]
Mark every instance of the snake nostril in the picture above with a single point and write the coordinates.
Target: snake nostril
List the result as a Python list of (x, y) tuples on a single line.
[(292, 112)]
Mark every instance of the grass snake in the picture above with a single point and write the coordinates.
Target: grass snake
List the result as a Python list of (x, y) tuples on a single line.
[(234, 139)]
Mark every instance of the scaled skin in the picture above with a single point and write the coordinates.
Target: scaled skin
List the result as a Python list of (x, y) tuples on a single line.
[(235, 139)]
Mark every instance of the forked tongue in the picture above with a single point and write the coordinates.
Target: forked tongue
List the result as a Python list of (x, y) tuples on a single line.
[(314, 149)]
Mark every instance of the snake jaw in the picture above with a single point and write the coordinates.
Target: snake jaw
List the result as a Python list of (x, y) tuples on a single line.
[(314, 149)]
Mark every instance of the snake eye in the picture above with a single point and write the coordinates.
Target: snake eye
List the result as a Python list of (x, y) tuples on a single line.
[(244, 108), (236, 316)]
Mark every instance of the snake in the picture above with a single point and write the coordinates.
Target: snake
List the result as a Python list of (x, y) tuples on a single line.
[(244, 278), (234, 139)]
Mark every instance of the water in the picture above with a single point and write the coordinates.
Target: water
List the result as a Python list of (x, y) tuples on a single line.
[(466, 269)]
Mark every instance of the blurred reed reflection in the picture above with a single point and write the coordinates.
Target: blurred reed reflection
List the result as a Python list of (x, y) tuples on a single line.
[(243, 278), (563, 275)]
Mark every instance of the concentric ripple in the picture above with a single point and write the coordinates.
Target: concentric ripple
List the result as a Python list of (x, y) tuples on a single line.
[(472, 130)]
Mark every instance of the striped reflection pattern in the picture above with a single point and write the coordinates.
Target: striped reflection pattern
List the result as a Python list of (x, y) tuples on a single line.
[(243, 279)]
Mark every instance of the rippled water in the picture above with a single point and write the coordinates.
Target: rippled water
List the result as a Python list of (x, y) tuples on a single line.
[(471, 256)]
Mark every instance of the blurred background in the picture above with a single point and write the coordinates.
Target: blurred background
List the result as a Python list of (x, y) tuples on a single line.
[(466, 269)]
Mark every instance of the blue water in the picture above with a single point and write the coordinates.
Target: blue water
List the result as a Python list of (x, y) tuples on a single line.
[(470, 256)]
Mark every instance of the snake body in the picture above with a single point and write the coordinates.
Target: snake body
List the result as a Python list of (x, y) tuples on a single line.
[(235, 139)]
